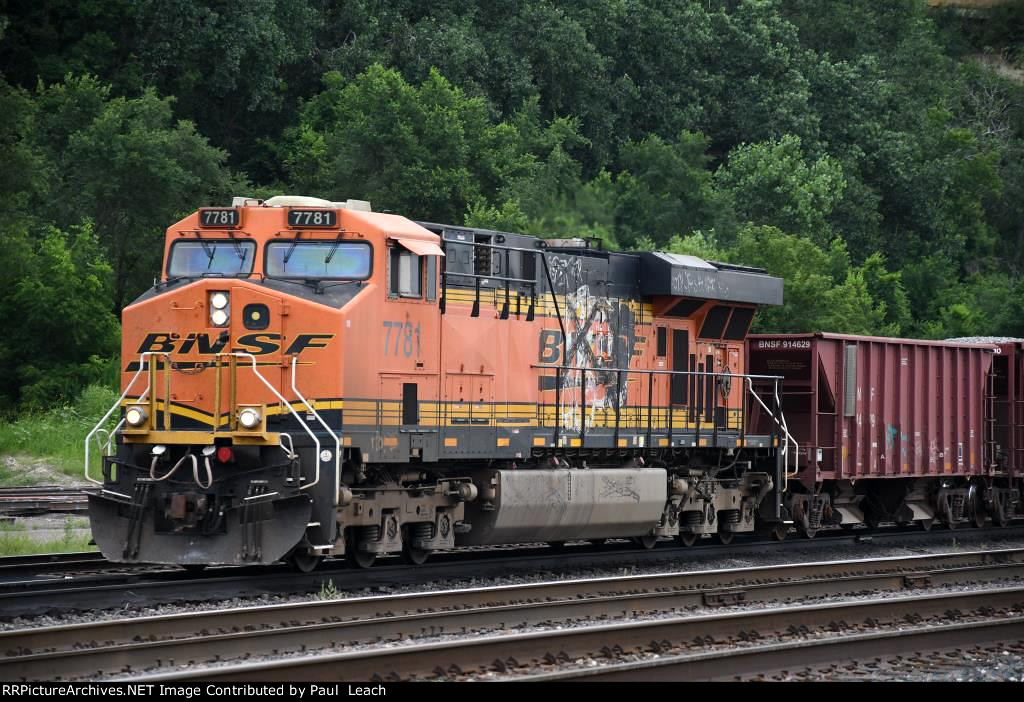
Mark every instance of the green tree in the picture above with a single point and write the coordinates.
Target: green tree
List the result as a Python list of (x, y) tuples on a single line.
[(823, 290), (127, 165), (235, 68), (57, 285), (664, 188), (774, 183), (427, 151)]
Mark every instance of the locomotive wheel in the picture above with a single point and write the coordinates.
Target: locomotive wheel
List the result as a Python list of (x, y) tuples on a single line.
[(360, 559), (303, 561), (688, 539), (780, 531), (415, 556), (725, 537), (647, 541)]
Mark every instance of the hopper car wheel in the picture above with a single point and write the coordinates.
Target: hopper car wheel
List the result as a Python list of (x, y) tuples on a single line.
[(780, 531), (808, 532), (415, 556), (360, 559), (926, 524), (999, 515), (598, 543), (687, 539), (303, 561), (725, 537), (647, 541), (194, 568), (556, 545)]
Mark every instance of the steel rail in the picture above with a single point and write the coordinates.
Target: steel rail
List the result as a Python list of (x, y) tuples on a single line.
[(144, 585), (734, 663), (147, 642), (504, 653)]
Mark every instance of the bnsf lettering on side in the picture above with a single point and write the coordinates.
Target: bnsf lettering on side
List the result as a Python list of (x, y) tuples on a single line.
[(256, 344), (776, 344)]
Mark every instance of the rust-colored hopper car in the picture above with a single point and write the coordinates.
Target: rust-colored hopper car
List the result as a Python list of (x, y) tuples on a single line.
[(897, 430)]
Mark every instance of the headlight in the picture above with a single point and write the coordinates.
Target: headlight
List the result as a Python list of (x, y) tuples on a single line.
[(136, 416), (249, 418), (220, 311)]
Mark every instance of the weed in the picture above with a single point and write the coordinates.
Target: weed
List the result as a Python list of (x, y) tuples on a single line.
[(328, 591)]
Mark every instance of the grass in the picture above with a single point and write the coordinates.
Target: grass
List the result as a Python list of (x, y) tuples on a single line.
[(12, 478), (16, 540), (56, 435)]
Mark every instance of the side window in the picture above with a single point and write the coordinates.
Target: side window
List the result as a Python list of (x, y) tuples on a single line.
[(406, 273)]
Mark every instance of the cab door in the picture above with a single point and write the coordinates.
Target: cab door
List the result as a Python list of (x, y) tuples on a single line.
[(408, 377)]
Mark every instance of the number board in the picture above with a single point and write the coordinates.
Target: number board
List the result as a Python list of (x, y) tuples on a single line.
[(219, 217), (312, 218)]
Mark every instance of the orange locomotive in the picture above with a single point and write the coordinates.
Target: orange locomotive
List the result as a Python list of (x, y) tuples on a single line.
[(314, 379)]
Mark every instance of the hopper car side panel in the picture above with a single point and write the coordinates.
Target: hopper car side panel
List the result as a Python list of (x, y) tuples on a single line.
[(865, 407)]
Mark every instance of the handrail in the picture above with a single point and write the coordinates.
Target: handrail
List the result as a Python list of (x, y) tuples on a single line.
[(142, 366), (281, 398), (780, 419), (337, 439), (145, 365), (612, 369), (785, 431)]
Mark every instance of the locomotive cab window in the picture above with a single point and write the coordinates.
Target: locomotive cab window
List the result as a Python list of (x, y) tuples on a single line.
[(337, 260), (406, 273), (194, 258)]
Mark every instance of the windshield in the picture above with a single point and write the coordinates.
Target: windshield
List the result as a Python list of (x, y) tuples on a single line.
[(348, 260), (199, 257)]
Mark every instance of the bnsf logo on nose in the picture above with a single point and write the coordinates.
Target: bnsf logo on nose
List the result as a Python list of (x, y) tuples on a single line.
[(256, 344)]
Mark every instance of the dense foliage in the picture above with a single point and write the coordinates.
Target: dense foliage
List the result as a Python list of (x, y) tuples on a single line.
[(870, 153)]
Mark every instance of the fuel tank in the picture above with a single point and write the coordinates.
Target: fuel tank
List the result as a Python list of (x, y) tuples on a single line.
[(517, 506)]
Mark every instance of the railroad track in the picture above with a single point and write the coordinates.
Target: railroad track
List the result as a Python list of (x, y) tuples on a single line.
[(152, 647), (95, 584), (40, 563), (98, 585), (43, 499)]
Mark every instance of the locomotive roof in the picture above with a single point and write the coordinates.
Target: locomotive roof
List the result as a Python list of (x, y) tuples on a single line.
[(647, 273)]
